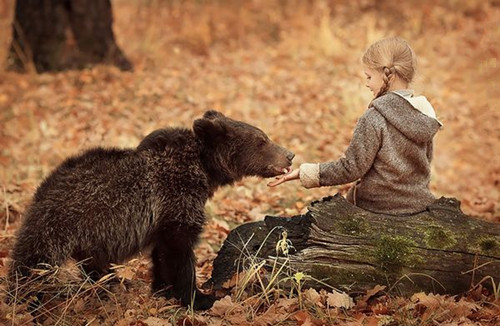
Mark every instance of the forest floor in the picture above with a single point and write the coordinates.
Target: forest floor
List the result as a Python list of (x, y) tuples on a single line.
[(291, 68)]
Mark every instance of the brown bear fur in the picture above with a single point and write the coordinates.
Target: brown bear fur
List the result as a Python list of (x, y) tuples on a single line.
[(106, 205)]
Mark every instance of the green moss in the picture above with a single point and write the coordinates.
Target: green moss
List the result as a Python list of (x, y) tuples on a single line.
[(352, 226), (435, 236), (489, 244), (343, 277), (394, 252)]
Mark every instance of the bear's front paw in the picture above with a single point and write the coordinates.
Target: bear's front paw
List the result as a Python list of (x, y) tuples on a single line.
[(203, 301)]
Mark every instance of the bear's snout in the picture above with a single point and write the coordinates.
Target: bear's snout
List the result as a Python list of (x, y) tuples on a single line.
[(280, 162)]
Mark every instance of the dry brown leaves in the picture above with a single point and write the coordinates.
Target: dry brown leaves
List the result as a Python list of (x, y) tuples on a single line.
[(291, 68)]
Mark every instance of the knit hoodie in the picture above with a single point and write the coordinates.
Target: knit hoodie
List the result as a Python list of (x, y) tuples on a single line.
[(389, 154)]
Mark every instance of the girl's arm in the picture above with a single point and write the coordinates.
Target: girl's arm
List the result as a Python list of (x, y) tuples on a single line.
[(357, 159)]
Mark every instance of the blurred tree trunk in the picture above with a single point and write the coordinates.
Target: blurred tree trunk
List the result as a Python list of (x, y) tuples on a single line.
[(439, 250), (40, 34)]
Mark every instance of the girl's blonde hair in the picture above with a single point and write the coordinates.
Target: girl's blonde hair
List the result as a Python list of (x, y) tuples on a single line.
[(392, 56)]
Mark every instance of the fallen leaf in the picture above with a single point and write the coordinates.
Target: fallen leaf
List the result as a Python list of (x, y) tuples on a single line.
[(269, 317), (313, 296), (221, 306), (363, 302), (233, 281), (339, 300), (154, 321), (303, 318), (79, 305), (288, 304)]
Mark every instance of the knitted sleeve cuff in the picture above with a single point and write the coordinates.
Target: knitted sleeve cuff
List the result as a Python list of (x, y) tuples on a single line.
[(309, 175)]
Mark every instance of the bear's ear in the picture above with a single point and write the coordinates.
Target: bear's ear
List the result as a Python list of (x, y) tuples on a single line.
[(212, 114), (208, 129)]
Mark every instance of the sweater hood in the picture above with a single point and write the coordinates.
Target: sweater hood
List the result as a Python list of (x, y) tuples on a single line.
[(413, 116)]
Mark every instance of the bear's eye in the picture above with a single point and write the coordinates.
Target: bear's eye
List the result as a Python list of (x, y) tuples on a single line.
[(262, 142)]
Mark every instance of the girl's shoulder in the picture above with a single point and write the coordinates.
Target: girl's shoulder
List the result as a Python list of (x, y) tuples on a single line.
[(373, 117)]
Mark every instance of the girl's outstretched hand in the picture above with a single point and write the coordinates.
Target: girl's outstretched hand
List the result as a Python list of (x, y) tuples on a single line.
[(294, 174)]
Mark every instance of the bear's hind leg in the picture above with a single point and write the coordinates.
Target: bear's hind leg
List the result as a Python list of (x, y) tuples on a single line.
[(27, 255), (93, 265)]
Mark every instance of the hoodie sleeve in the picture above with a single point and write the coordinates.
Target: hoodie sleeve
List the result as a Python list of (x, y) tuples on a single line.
[(357, 160)]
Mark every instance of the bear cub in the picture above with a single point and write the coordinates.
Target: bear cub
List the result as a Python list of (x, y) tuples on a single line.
[(106, 205)]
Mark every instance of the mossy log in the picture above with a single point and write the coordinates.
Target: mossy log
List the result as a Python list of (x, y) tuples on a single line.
[(441, 250)]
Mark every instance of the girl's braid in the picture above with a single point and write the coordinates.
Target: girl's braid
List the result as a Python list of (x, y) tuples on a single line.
[(389, 74)]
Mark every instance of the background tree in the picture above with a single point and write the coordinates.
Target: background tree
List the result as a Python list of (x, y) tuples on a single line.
[(40, 34)]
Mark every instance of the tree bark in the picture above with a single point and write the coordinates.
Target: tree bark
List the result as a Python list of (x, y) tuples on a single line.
[(39, 35), (440, 250)]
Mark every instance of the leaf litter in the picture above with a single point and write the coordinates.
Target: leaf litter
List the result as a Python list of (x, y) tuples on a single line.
[(293, 70)]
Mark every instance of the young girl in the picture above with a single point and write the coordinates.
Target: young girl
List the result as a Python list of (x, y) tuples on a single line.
[(391, 148)]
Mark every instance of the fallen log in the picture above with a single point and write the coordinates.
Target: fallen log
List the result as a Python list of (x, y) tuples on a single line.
[(440, 250)]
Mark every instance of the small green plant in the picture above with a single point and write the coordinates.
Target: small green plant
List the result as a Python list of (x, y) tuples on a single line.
[(273, 277), (298, 277), (190, 309)]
